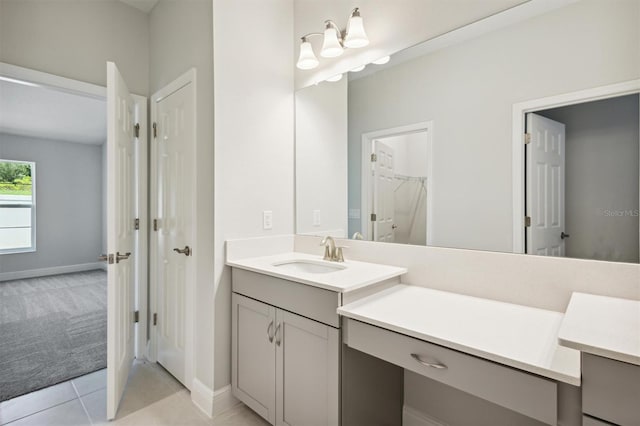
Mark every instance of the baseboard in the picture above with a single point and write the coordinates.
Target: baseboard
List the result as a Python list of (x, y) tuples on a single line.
[(223, 399), (202, 397), (56, 270), (411, 417)]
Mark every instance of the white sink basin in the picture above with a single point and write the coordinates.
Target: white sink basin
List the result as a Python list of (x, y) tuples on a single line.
[(308, 266)]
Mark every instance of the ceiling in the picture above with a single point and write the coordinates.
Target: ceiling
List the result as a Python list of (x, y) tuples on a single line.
[(143, 5), (36, 111)]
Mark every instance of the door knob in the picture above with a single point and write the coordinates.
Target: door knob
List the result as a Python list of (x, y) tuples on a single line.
[(186, 251), (563, 236), (106, 258), (120, 257)]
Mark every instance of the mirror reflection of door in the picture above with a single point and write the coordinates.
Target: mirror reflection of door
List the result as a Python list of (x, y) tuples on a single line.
[(582, 180), (399, 188)]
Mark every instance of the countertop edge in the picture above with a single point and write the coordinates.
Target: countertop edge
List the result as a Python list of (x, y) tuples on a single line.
[(600, 351)]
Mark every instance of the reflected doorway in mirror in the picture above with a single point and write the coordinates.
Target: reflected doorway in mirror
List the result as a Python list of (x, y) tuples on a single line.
[(397, 186)]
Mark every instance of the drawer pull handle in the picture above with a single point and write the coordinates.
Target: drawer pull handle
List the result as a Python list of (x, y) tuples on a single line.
[(270, 332), (437, 365)]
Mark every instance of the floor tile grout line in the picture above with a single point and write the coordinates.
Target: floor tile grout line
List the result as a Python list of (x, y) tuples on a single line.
[(44, 409), (84, 408)]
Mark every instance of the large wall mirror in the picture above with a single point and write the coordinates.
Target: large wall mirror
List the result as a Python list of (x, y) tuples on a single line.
[(520, 138)]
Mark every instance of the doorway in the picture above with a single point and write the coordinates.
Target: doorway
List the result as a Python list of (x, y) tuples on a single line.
[(580, 175), (53, 289), (397, 175)]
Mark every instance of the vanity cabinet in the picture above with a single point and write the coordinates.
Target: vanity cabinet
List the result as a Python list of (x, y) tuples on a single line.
[(610, 391), (285, 366)]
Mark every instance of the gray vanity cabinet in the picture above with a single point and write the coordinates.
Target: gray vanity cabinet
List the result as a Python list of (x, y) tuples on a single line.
[(610, 391), (285, 367)]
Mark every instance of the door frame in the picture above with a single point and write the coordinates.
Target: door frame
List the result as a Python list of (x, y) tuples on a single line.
[(189, 77), (519, 112), (366, 192), (81, 88)]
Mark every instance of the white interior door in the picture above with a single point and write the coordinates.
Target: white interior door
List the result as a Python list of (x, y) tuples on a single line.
[(383, 197), (174, 145), (121, 208), (545, 186)]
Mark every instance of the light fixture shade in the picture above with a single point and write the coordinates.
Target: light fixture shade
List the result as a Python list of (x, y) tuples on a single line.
[(335, 78), (358, 69), (356, 37), (331, 46), (382, 60), (307, 59)]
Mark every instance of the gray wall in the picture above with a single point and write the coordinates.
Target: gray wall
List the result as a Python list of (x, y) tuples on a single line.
[(601, 175), (181, 37), (469, 89), (68, 202), (75, 39)]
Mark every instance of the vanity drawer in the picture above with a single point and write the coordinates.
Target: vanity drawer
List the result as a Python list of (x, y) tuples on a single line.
[(522, 392), (611, 390), (312, 302)]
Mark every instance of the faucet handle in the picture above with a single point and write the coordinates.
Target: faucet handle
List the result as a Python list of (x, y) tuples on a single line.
[(339, 257)]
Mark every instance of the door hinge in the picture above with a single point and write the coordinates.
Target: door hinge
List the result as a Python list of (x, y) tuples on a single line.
[(136, 224), (155, 319), (136, 130), (527, 138), (106, 258), (155, 130), (136, 316), (373, 217), (374, 158), (155, 224), (527, 221)]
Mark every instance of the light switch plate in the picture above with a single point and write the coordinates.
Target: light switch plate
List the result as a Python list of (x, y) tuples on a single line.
[(267, 219), (316, 218)]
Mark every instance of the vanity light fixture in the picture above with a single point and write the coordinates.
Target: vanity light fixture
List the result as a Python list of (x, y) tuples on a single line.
[(358, 69), (334, 41), (335, 78)]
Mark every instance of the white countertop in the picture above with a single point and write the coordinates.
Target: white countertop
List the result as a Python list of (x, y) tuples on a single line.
[(356, 275), (518, 336), (605, 326)]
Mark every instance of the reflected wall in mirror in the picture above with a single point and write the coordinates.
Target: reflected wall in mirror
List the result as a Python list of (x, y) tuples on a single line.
[(577, 65)]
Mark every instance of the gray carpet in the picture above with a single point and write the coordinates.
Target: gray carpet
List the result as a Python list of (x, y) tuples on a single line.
[(52, 329)]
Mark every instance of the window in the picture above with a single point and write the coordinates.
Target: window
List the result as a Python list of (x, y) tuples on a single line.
[(17, 206)]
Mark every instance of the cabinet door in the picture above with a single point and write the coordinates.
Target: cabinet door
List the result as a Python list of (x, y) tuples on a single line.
[(307, 372), (253, 355)]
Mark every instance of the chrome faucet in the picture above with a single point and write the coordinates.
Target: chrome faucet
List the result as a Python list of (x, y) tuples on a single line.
[(331, 252)]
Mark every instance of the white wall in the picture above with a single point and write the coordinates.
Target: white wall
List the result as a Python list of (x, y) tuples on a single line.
[(181, 37), (468, 90), (321, 158), (76, 38), (69, 195), (601, 178), (254, 107)]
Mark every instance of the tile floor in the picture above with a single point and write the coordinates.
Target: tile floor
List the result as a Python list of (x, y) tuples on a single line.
[(152, 398)]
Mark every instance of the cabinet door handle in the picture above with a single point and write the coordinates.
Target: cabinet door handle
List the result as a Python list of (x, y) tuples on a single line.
[(270, 332), (278, 340), (437, 365)]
